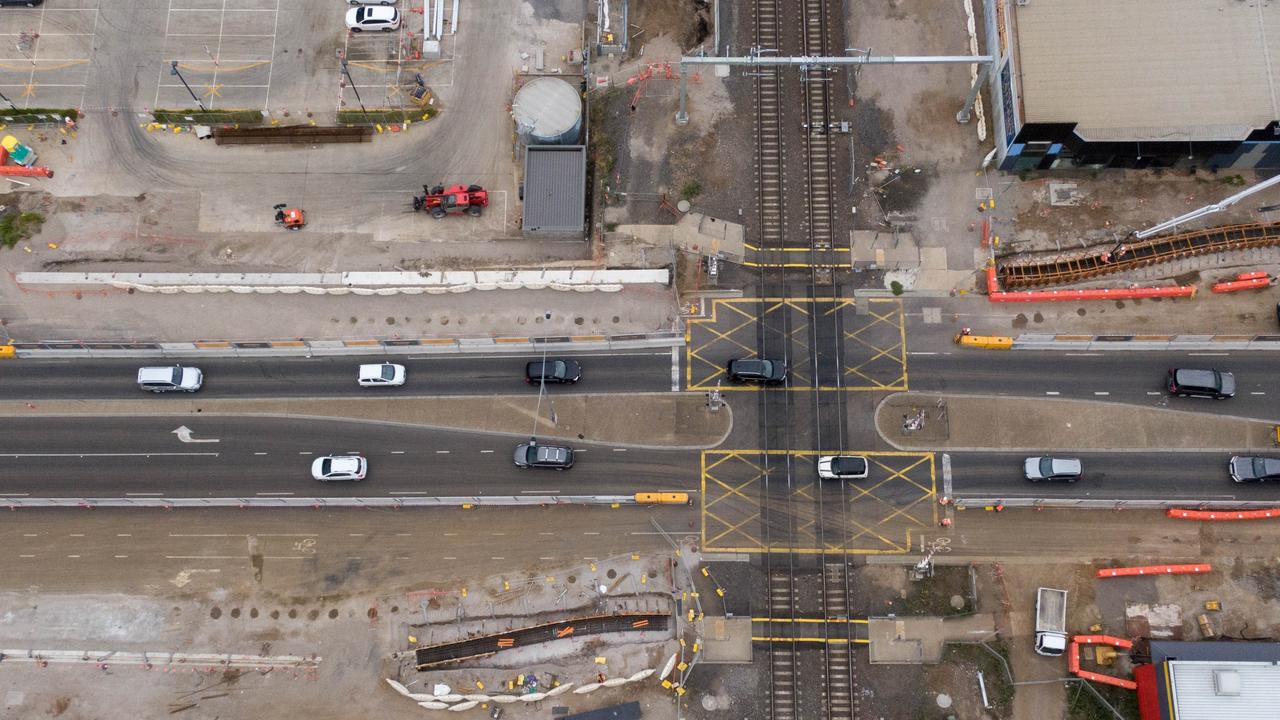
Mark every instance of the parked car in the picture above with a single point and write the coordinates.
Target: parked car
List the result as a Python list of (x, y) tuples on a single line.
[(770, 372), (373, 17), (533, 454), (842, 467), (1186, 382), (381, 375), (371, 2), (170, 378), (1248, 468), (1052, 468), (14, 3), (339, 467), (552, 371)]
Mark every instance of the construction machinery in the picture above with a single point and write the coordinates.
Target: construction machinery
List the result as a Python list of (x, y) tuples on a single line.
[(440, 200), (290, 218)]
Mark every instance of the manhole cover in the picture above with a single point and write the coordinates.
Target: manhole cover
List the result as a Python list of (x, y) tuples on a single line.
[(944, 701)]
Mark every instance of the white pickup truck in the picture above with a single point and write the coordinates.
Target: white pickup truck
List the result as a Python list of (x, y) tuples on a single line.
[(1051, 621)]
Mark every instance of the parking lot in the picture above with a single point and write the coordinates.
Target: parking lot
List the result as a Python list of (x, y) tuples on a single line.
[(46, 53), (224, 51)]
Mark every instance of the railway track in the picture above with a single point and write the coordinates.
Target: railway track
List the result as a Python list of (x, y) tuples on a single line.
[(768, 126), (1105, 260)]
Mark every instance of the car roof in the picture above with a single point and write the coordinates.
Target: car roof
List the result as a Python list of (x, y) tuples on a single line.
[(1193, 376), (372, 371), (1066, 466), (379, 12), (849, 463), (344, 463), (164, 372)]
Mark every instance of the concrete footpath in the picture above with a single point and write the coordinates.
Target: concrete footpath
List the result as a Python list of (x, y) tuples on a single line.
[(970, 422), (657, 420)]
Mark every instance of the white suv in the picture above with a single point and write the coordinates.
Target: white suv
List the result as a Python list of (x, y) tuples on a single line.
[(170, 378)]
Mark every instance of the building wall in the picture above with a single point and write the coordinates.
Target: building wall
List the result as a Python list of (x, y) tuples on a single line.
[(1057, 147)]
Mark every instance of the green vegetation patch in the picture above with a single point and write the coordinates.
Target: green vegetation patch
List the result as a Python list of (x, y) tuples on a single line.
[(993, 661), (1085, 705), (209, 117), (385, 116), (37, 116), (932, 596), (17, 227)]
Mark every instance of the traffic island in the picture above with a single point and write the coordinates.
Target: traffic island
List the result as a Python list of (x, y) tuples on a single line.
[(928, 421)]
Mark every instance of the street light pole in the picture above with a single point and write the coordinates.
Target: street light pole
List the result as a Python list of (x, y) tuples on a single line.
[(352, 83), (6, 99), (173, 70), (542, 387)]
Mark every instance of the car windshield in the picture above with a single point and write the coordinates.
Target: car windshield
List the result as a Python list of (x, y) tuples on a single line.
[(1264, 467), (363, 13), (848, 466), (177, 376), (388, 373), (556, 369), (326, 466), (1046, 467)]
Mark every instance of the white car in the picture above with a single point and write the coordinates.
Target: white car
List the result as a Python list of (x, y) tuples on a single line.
[(1052, 468), (373, 17), (371, 2), (842, 467), (381, 375), (339, 467)]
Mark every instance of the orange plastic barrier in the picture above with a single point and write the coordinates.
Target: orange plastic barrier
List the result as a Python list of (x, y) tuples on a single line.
[(1108, 680), (994, 294), (21, 171), (1073, 658), (1222, 515), (1254, 275), (1102, 640), (1238, 285), (1155, 570)]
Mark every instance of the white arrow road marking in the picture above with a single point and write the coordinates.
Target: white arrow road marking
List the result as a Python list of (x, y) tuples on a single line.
[(184, 434)]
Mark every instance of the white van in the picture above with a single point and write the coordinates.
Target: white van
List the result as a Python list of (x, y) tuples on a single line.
[(168, 379)]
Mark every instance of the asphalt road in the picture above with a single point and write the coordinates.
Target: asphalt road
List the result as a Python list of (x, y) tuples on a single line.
[(628, 371), (115, 457), (1163, 476), (1135, 378)]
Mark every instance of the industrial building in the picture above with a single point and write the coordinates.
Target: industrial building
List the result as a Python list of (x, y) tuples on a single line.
[(1209, 680), (1123, 84)]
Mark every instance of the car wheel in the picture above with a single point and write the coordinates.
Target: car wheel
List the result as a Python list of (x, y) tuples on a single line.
[(1221, 397), (355, 29), (387, 29), (1034, 479), (437, 213)]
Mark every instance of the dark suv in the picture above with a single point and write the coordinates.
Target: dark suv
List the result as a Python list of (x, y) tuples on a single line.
[(770, 372), (552, 371), (531, 455), (1185, 382)]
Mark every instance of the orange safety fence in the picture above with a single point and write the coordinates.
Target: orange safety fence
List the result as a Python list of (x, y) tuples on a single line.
[(1155, 570), (1103, 640), (1222, 515), (1073, 658), (1254, 275)]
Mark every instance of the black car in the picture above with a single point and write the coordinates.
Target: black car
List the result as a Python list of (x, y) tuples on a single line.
[(1254, 469), (28, 3), (552, 371), (531, 455), (770, 372), (1185, 382)]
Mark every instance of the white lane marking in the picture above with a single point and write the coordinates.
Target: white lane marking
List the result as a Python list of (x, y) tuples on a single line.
[(497, 557), (121, 556), (237, 557), (443, 452), (450, 557), (923, 353), (397, 452), (143, 494), (498, 534), (619, 449), (88, 455), (539, 492), (451, 534), (30, 534), (590, 533), (1154, 392), (1208, 354), (490, 452), (547, 533), (404, 534), (259, 453), (124, 534), (1083, 354), (517, 355), (73, 556), (1101, 392), (1052, 392), (675, 368), (306, 453), (1257, 393), (544, 557), (17, 494), (77, 534), (407, 492), (355, 534), (275, 493)]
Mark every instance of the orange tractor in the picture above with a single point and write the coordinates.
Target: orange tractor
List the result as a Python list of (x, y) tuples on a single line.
[(441, 200)]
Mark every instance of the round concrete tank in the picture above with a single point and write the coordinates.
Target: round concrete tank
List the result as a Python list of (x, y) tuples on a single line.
[(548, 111)]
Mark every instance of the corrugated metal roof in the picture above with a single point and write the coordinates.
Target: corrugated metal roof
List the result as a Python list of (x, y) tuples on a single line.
[(1196, 695), (1170, 70), (555, 190)]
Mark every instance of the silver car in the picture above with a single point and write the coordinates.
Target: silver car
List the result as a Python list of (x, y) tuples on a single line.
[(1052, 468), (533, 454), (1246, 468)]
